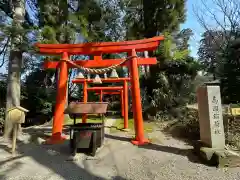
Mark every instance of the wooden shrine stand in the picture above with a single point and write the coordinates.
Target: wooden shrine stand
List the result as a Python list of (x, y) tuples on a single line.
[(86, 136), (121, 90), (97, 49)]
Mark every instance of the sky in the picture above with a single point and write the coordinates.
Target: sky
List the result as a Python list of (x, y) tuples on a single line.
[(191, 22), (208, 8)]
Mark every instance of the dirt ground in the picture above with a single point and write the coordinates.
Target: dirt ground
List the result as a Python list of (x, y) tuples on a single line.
[(166, 159)]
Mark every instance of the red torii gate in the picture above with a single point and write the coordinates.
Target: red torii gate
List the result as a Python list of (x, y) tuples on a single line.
[(97, 49), (118, 90), (101, 93), (124, 94)]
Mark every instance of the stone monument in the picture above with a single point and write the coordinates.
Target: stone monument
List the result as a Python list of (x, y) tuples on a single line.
[(211, 146), (210, 116)]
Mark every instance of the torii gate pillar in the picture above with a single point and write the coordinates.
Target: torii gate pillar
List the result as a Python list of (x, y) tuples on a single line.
[(137, 105), (61, 100)]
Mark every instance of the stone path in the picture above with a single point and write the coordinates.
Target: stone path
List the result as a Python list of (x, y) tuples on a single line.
[(117, 159)]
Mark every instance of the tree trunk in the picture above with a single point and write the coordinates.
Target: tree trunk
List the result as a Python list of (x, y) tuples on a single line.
[(146, 68), (13, 87), (15, 64)]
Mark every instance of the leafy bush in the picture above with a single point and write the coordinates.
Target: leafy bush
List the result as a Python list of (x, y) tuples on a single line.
[(186, 126), (174, 87), (228, 73), (38, 96)]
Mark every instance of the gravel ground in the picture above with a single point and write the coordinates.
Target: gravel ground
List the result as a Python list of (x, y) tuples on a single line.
[(117, 159)]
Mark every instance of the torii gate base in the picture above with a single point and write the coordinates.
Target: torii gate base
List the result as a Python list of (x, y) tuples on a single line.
[(97, 49)]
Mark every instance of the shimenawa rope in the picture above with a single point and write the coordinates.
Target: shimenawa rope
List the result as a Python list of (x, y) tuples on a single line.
[(98, 71)]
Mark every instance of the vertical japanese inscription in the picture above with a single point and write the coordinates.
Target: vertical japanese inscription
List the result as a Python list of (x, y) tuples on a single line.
[(216, 116)]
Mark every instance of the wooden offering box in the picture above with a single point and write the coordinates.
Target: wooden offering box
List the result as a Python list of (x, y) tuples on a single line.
[(78, 108), (88, 136)]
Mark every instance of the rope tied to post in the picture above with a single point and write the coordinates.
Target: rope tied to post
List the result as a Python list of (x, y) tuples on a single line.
[(98, 71)]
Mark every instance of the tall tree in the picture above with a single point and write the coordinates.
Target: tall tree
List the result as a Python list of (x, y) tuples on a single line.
[(211, 50), (15, 60), (224, 17), (146, 19), (229, 73), (221, 24), (153, 17)]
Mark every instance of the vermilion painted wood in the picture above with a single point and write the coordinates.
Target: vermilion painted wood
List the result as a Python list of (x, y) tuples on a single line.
[(99, 63), (125, 96), (101, 96), (85, 99), (109, 80), (105, 88), (102, 44), (109, 92), (121, 93), (98, 49), (61, 99), (122, 103), (137, 105), (103, 47)]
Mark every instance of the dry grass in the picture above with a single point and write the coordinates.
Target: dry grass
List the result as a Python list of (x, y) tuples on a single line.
[(119, 125)]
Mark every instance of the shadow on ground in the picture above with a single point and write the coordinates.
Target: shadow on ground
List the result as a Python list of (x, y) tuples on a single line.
[(118, 138), (56, 157), (157, 147), (15, 165), (115, 128), (53, 157)]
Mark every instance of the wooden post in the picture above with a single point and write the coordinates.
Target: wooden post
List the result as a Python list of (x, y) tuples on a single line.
[(85, 97), (137, 105), (14, 140), (101, 100), (125, 99), (130, 75), (101, 96), (60, 103), (122, 103)]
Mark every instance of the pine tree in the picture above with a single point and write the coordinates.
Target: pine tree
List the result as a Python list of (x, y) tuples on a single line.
[(148, 18)]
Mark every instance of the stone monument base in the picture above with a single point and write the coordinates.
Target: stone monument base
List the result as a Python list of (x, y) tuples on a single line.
[(216, 157)]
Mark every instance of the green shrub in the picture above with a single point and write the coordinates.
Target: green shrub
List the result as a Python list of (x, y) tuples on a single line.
[(186, 125)]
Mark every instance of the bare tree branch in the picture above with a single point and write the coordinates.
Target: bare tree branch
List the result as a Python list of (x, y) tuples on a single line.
[(201, 20), (228, 26), (3, 51)]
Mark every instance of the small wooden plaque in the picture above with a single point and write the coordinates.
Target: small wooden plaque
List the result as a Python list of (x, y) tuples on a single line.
[(87, 108), (235, 111)]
